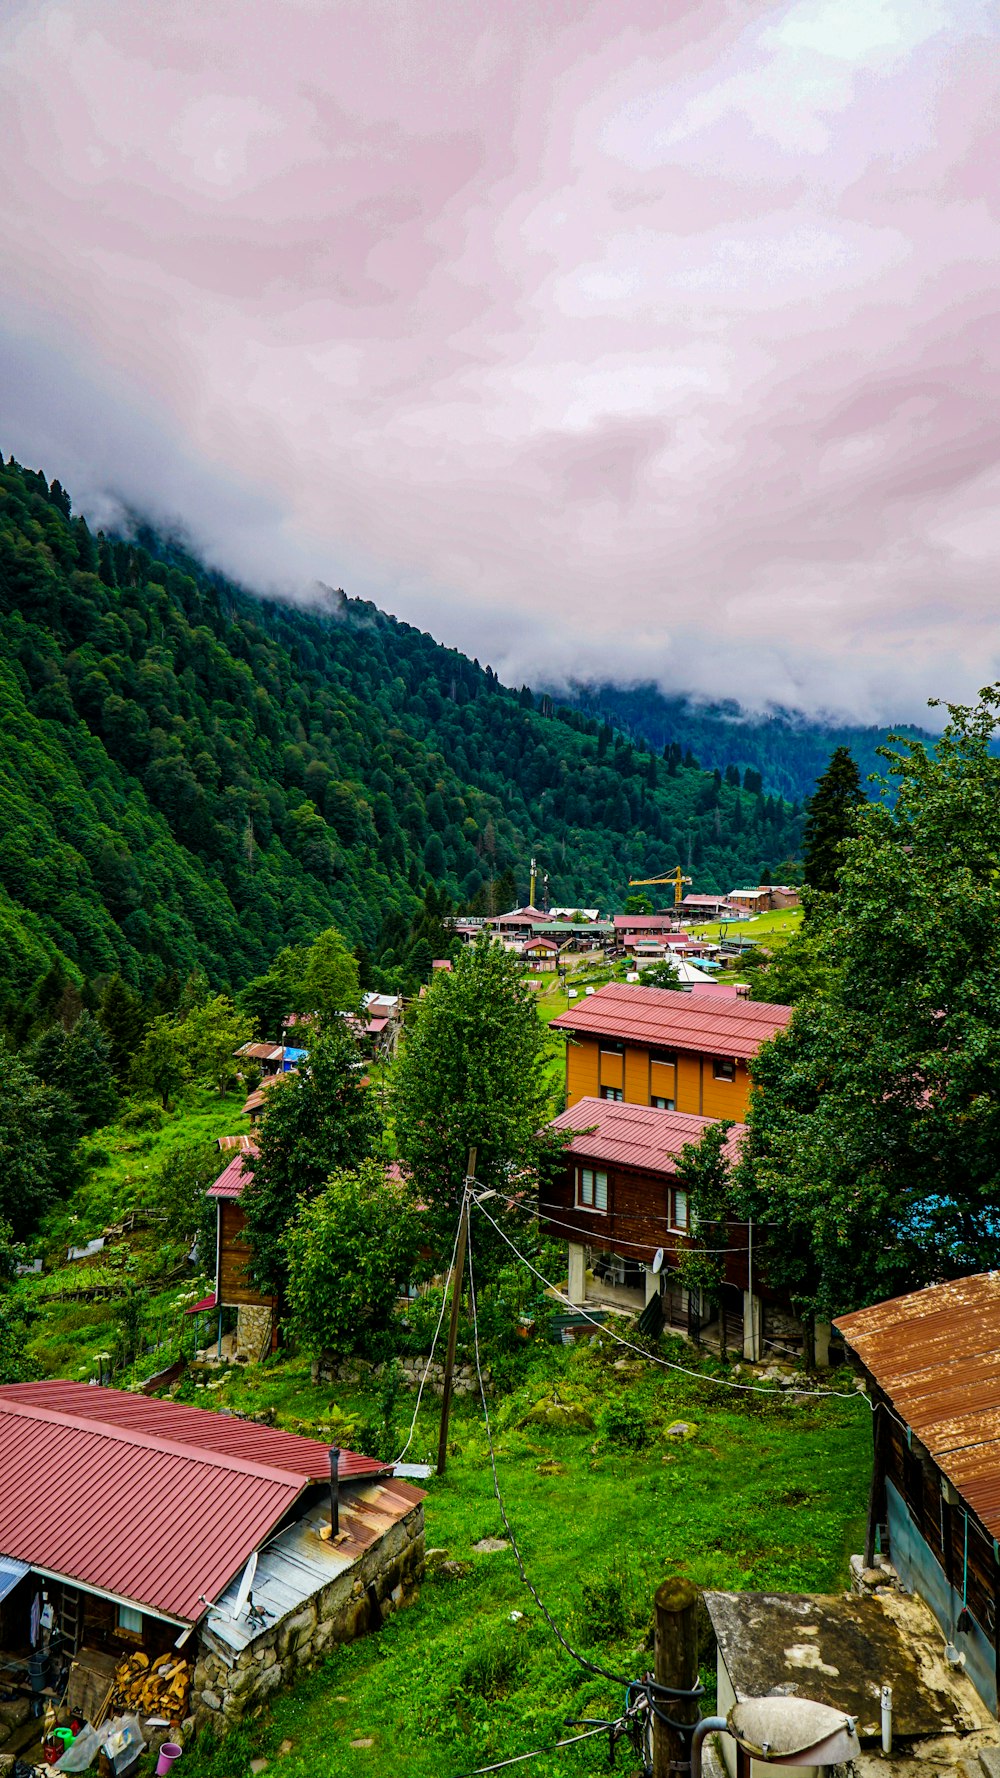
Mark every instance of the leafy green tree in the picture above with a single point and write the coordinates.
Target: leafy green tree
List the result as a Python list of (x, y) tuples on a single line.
[(178, 1189), (800, 969), (163, 1065), (314, 1122), (873, 1159), (471, 1075), (38, 1132), (832, 819), (349, 1251), (270, 997), (638, 904), (662, 975), (704, 1170), (78, 1063), (330, 978), (210, 1037)]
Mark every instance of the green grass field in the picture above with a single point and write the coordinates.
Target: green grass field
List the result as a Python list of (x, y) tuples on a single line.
[(764, 1495), (768, 929)]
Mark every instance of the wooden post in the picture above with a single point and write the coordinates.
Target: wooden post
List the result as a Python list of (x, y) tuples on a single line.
[(456, 1302), (677, 1666), (876, 1495)]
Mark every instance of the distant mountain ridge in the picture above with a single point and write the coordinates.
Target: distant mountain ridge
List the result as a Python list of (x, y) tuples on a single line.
[(192, 777), (789, 750)]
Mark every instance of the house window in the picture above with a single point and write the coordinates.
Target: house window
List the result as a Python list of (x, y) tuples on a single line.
[(662, 1104), (723, 1069), (612, 1093), (591, 1189), (129, 1620), (609, 1047), (679, 1216), (667, 1058)]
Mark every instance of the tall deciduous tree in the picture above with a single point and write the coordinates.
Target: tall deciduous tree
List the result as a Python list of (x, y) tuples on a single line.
[(470, 1075), (832, 819), (210, 1036), (873, 1159), (330, 979), (314, 1122), (348, 1253)]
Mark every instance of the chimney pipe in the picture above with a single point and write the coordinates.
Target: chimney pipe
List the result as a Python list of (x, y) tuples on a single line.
[(334, 1490)]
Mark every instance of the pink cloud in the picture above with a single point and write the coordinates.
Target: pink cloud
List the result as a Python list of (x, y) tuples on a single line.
[(597, 341)]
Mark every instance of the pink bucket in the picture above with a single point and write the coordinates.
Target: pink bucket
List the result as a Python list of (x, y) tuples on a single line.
[(168, 1753)]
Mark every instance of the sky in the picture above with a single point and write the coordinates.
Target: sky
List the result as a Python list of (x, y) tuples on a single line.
[(616, 339)]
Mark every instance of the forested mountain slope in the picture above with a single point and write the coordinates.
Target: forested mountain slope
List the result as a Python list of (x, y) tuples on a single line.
[(788, 750), (192, 776)]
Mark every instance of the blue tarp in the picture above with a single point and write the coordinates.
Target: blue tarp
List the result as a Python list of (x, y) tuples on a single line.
[(11, 1571)]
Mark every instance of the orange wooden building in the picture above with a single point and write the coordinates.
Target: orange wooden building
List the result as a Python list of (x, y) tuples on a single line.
[(674, 1051), (234, 1289)]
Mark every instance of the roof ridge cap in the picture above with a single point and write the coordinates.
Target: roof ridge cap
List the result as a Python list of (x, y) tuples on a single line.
[(153, 1442)]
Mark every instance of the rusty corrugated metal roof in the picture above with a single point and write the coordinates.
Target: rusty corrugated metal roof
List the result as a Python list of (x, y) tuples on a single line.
[(635, 1135), (673, 1020), (936, 1355)]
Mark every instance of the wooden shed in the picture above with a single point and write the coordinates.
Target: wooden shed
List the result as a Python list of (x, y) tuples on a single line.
[(932, 1361)]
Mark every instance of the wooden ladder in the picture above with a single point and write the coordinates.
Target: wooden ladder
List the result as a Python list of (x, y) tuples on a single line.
[(70, 1619)]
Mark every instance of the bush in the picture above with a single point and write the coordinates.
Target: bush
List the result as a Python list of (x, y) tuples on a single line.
[(142, 1114), (625, 1422), (494, 1670), (610, 1607)]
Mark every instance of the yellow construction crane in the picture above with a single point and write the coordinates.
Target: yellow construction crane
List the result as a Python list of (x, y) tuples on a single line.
[(675, 876)]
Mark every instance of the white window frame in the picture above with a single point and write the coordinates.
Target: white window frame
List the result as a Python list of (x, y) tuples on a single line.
[(613, 1095), (720, 1063), (129, 1620), (659, 1103), (598, 1187), (674, 1223)]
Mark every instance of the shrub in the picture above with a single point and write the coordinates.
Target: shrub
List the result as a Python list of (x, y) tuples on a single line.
[(625, 1422), (494, 1670), (610, 1607), (142, 1114)]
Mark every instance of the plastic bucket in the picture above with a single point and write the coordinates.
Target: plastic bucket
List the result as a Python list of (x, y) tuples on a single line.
[(38, 1672), (165, 1759)]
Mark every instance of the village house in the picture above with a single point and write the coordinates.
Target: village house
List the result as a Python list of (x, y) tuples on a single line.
[(643, 926), (674, 1051), (256, 1313), (932, 1364), (707, 907), (541, 953), (626, 1218), (127, 1524)]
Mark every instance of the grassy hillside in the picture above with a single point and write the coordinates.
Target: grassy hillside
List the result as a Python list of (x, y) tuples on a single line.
[(194, 777)]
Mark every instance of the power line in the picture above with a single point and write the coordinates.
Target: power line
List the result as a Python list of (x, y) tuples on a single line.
[(430, 1355), (653, 1357)]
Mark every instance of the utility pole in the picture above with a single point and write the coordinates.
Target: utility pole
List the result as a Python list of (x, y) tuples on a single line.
[(456, 1303), (676, 1668)]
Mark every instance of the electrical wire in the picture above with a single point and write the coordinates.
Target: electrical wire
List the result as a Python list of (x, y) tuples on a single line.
[(430, 1355), (590, 1666), (653, 1357), (536, 1752)]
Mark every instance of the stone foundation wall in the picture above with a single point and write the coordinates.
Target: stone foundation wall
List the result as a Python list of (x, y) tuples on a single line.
[(782, 1327), (386, 1577), (253, 1332), (354, 1370)]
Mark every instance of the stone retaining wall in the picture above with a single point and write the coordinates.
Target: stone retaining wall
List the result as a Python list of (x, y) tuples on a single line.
[(354, 1370), (384, 1578)]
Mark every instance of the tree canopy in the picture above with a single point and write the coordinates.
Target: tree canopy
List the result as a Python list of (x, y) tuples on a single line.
[(318, 1121), (873, 1158), (831, 819), (471, 1075), (349, 1252)]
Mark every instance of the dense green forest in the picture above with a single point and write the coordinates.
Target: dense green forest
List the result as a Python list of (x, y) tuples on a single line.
[(193, 777), (788, 751)]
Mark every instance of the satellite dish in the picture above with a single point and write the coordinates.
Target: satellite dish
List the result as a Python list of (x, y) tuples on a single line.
[(246, 1582), (658, 1260)]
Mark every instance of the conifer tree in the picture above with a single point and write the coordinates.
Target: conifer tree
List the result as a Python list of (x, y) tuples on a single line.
[(831, 820)]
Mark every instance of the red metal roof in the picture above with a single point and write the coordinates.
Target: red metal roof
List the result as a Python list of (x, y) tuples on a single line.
[(218, 1433), (234, 1178), (152, 1502), (635, 1135), (207, 1302), (936, 1355), (675, 1020), (643, 923)]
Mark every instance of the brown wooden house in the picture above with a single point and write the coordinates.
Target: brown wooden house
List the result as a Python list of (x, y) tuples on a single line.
[(932, 1363), (234, 1288), (676, 1051)]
